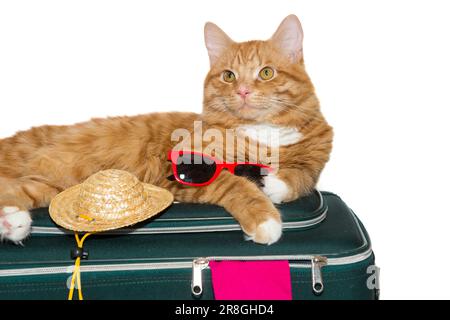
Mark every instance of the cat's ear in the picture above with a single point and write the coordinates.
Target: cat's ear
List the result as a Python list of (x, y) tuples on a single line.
[(216, 41), (289, 38)]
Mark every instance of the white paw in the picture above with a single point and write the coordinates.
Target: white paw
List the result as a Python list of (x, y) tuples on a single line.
[(15, 225), (272, 135), (267, 232), (276, 189)]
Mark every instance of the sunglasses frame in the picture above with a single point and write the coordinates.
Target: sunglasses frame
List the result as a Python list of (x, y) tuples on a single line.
[(230, 166)]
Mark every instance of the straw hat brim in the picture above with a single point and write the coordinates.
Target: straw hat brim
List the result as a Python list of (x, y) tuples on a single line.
[(63, 212)]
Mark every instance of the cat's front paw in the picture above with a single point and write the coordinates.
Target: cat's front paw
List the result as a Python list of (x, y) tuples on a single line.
[(267, 232), (15, 224), (275, 188)]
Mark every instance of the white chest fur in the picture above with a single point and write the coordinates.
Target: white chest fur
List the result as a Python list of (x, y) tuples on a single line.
[(271, 135)]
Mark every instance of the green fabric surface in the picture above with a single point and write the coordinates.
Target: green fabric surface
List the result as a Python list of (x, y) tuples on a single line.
[(339, 235), (200, 215)]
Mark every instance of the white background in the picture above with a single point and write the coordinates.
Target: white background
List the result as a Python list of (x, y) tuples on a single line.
[(381, 69)]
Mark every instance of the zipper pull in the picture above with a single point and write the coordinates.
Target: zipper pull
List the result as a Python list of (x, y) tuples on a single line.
[(198, 265), (316, 272)]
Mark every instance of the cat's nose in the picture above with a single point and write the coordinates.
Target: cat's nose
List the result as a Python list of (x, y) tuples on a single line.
[(243, 92)]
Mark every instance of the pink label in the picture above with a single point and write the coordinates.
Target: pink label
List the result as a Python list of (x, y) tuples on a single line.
[(251, 280)]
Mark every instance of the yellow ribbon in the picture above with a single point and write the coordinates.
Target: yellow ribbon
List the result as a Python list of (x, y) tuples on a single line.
[(76, 275)]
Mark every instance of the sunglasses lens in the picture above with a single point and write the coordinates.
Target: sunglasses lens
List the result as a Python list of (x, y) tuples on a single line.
[(195, 168), (250, 171)]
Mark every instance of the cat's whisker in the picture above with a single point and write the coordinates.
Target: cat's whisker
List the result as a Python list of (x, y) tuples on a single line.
[(298, 108)]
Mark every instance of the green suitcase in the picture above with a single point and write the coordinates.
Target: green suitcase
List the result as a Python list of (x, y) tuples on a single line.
[(328, 250)]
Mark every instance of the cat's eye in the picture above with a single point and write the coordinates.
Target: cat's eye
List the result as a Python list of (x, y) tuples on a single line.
[(228, 76), (266, 73)]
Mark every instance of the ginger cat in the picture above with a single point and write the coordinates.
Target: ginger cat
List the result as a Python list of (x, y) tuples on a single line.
[(255, 86)]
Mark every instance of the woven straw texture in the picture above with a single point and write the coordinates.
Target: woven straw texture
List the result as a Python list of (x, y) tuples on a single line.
[(107, 200)]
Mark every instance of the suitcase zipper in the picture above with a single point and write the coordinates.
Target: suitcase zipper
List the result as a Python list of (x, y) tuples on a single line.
[(314, 262), (316, 273), (199, 264)]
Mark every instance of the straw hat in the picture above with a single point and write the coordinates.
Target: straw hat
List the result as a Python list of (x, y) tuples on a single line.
[(108, 200)]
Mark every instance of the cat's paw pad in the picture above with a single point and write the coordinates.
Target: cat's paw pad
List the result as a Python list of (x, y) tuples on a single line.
[(267, 232), (275, 188), (15, 224)]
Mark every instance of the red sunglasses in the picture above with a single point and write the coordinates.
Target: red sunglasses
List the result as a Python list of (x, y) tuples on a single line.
[(197, 169)]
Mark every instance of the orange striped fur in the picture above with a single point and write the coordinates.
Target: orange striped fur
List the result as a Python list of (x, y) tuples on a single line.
[(38, 163)]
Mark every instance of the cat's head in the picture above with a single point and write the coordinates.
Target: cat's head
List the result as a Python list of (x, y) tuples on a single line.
[(257, 80)]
